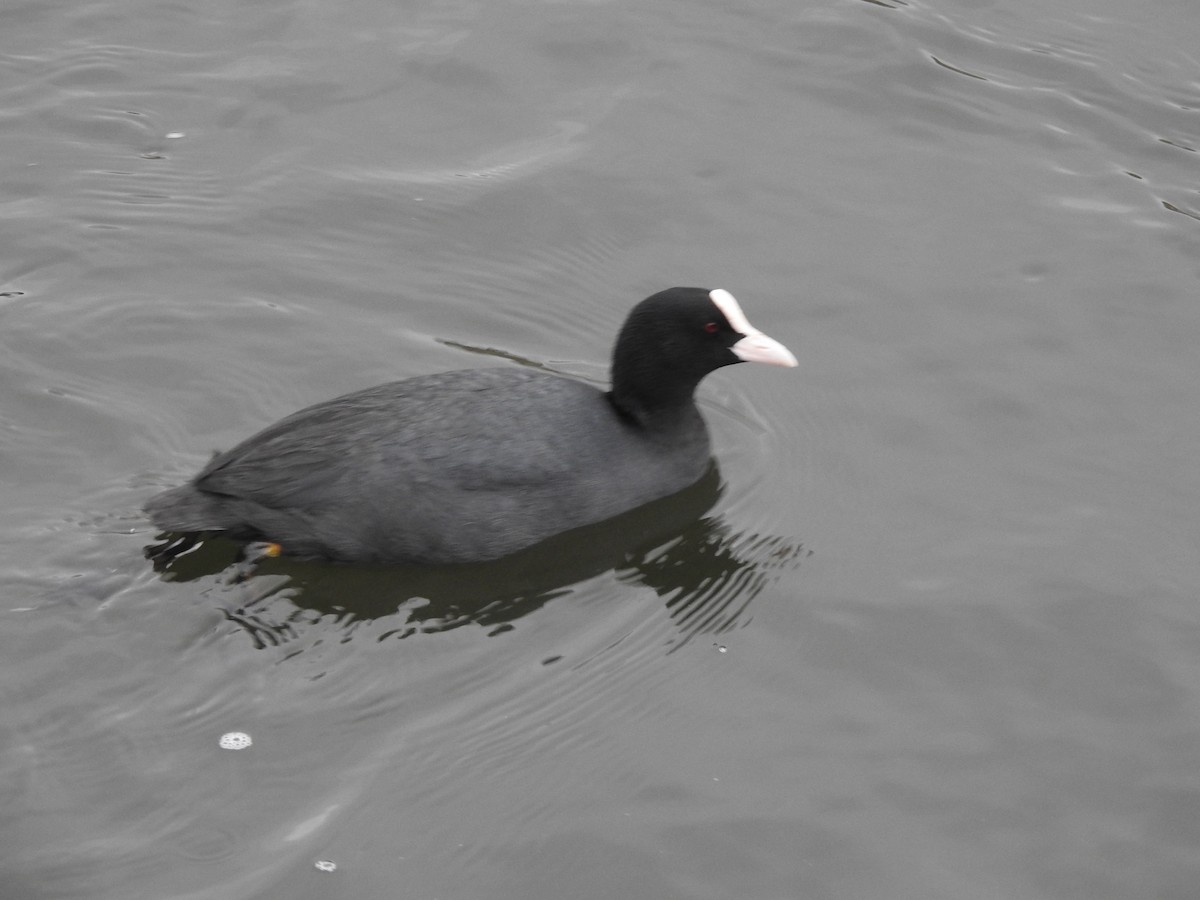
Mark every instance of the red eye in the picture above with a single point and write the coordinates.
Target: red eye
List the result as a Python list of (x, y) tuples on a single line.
[(712, 327)]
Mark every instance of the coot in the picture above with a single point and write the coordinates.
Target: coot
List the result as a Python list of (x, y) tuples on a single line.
[(474, 465)]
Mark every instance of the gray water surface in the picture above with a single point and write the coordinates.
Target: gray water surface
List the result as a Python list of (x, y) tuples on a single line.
[(931, 630)]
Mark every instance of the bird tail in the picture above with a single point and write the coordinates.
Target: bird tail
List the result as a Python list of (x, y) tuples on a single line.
[(184, 509)]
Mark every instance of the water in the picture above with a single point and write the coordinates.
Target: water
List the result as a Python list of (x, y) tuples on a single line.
[(931, 631)]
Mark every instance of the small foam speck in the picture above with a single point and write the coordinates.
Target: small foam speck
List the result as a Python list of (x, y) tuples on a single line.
[(235, 740)]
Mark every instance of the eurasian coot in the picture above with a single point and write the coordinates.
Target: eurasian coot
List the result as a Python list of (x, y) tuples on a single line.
[(473, 465)]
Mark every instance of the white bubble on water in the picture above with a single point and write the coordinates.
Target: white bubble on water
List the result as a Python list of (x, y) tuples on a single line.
[(325, 865), (235, 740)]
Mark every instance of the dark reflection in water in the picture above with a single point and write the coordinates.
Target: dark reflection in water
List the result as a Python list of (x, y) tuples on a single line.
[(707, 574)]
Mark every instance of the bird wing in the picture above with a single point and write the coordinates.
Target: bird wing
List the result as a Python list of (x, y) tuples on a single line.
[(470, 431)]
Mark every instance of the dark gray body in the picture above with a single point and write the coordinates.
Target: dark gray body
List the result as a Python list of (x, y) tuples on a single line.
[(455, 467)]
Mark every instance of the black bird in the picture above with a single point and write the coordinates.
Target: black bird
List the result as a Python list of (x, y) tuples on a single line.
[(474, 465)]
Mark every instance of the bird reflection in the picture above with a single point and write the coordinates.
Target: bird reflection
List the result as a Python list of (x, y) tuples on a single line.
[(706, 573)]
